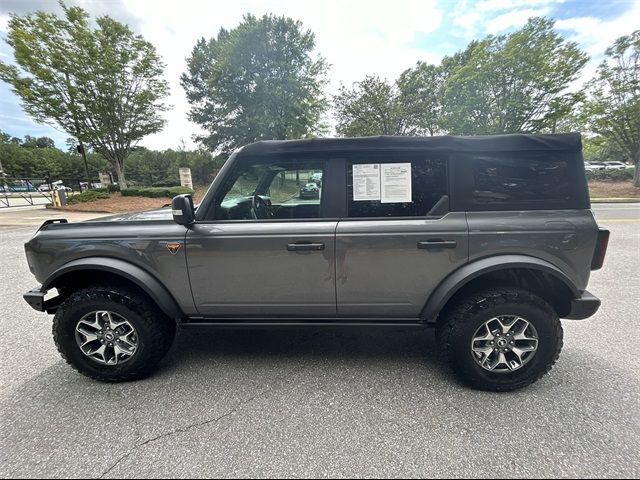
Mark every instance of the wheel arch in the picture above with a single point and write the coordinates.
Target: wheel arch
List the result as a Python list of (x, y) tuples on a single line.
[(79, 271), (540, 276)]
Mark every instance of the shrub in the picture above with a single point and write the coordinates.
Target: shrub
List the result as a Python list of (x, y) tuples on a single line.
[(166, 183), (611, 175), (86, 196), (155, 192), (113, 188)]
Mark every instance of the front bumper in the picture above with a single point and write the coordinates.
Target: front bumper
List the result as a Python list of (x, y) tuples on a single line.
[(36, 300), (583, 307)]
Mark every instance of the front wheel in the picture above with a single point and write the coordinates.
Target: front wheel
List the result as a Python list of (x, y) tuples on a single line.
[(501, 339), (112, 334)]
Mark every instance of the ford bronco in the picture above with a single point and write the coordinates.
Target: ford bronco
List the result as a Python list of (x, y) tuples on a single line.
[(490, 240)]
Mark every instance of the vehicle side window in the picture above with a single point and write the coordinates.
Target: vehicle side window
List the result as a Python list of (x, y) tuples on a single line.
[(505, 179), (428, 186), (288, 189)]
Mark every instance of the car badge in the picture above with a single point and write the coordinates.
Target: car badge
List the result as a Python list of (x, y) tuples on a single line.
[(174, 247)]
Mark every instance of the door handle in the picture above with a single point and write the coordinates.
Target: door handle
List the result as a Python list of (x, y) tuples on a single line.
[(305, 247), (437, 244)]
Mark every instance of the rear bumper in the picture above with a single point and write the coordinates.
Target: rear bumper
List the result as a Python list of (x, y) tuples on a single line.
[(583, 307)]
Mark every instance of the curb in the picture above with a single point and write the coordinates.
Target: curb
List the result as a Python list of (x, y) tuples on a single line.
[(615, 200), (62, 209)]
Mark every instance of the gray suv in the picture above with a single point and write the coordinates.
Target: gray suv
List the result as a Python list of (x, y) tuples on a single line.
[(490, 240)]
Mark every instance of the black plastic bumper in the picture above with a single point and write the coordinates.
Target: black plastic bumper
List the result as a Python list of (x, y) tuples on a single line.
[(583, 307), (35, 298)]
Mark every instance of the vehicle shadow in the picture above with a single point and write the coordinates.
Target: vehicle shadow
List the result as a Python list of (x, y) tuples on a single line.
[(202, 343)]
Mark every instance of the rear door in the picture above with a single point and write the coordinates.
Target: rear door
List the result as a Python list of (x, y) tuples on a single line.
[(397, 241)]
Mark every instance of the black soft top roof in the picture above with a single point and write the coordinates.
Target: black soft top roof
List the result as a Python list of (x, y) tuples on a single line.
[(491, 143)]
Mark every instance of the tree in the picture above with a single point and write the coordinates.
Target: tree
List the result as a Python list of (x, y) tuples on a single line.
[(370, 107), (256, 81), (511, 83), (373, 106), (613, 105), (40, 142), (102, 85), (420, 94)]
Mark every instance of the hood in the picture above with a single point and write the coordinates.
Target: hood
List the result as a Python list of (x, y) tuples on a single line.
[(159, 214)]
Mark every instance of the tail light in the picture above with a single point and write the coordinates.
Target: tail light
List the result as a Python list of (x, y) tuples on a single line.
[(601, 249)]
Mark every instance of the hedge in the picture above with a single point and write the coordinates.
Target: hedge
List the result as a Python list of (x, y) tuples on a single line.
[(155, 192), (611, 175), (87, 196)]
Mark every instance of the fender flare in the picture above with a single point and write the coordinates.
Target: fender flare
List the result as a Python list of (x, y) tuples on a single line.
[(140, 277), (462, 276)]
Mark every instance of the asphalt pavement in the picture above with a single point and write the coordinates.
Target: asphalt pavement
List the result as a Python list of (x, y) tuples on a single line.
[(325, 403)]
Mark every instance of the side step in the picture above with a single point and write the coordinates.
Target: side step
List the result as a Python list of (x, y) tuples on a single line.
[(303, 322)]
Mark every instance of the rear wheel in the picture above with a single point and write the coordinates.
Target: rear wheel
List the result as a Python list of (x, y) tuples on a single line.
[(112, 334), (501, 339)]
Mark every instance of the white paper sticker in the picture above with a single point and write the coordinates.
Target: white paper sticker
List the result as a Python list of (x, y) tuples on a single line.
[(366, 182), (396, 182)]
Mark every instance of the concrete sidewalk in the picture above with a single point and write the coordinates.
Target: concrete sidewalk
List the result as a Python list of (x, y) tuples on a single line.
[(17, 217)]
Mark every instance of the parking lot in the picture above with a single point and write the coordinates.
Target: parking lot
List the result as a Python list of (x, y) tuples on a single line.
[(324, 402)]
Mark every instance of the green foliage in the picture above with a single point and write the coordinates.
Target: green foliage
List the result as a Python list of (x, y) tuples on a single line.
[(600, 149), (256, 81), (611, 175), (87, 196), (148, 167), (27, 159), (613, 105), (511, 83), (102, 85), (501, 84), (166, 183), (370, 107), (40, 142), (155, 192), (373, 106)]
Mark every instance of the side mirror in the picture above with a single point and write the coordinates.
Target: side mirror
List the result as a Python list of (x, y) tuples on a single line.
[(183, 210)]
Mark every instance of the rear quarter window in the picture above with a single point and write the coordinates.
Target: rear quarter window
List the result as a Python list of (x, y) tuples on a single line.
[(519, 181)]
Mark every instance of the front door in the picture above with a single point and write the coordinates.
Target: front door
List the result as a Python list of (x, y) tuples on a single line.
[(267, 249)]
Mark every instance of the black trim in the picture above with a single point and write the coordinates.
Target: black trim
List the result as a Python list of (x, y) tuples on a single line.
[(35, 298), (144, 280), (463, 275), (583, 307), (486, 143), (269, 322)]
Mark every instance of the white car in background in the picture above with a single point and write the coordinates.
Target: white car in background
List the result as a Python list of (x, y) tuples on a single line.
[(592, 166), (614, 165)]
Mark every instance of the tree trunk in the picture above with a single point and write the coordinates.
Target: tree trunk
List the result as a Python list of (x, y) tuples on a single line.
[(119, 166)]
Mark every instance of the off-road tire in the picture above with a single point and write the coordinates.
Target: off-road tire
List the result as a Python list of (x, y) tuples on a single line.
[(155, 331), (456, 329)]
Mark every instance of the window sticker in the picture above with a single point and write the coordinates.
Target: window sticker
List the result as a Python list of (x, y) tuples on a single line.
[(366, 182), (395, 182)]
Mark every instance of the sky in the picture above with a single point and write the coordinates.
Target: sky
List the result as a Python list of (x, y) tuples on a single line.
[(356, 37)]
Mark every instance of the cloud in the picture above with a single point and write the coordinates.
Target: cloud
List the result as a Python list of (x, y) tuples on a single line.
[(356, 37), (514, 19), (113, 8), (595, 35), (495, 16)]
